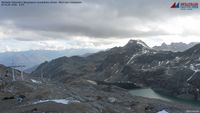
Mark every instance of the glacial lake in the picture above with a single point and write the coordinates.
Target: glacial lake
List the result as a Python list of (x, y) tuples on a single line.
[(149, 93)]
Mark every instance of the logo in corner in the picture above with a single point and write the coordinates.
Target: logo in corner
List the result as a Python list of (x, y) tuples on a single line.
[(185, 5), (175, 5)]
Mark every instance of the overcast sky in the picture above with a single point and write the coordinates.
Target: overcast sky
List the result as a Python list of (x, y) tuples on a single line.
[(96, 24)]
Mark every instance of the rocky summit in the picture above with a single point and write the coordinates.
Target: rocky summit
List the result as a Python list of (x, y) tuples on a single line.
[(99, 82)]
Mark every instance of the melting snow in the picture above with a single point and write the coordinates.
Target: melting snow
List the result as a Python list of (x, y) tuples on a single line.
[(177, 58), (193, 68), (145, 51), (187, 62), (163, 111), (35, 81), (92, 82), (191, 77), (60, 101), (167, 62), (134, 55), (117, 71), (142, 43), (195, 71), (159, 63), (198, 64)]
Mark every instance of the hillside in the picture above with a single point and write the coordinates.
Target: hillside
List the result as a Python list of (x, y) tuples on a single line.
[(95, 83), (165, 72), (37, 95)]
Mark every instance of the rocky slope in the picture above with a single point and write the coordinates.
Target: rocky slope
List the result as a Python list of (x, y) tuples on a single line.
[(66, 85), (168, 72), (6, 72), (64, 68), (79, 96)]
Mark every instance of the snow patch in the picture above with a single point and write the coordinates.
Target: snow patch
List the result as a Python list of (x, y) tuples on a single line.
[(197, 64), (144, 51), (192, 67), (187, 62), (142, 43), (134, 55), (159, 63), (112, 99), (35, 81), (60, 101), (163, 111), (191, 76), (108, 78), (177, 58), (92, 82)]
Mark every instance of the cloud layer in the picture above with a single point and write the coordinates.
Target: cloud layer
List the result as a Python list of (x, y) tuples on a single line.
[(98, 21)]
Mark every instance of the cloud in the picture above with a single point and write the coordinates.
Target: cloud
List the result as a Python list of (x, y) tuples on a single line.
[(96, 20)]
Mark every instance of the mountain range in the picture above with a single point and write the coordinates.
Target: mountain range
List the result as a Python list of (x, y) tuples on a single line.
[(33, 58), (175, 47), (99, 82), (171, 73)]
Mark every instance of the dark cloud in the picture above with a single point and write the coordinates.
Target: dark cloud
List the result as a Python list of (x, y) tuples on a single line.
[(92, 18)]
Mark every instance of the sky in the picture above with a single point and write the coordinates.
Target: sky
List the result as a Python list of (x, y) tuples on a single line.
[(98, 24)]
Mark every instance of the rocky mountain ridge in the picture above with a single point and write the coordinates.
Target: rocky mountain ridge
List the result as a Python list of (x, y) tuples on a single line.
[(164, 71), (69, 84), (175, 47)]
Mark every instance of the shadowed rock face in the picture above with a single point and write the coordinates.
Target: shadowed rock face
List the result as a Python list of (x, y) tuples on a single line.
[(194, 51), (195, 79), (3, 69), (64, 68), (166, 72)]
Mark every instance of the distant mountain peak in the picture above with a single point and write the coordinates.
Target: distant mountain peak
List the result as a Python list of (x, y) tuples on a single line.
[(163, 44), (175, 46), (137, 42)]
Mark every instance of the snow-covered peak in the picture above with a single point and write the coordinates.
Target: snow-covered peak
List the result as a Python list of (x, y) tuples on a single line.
[(142, 43), (137, 42)]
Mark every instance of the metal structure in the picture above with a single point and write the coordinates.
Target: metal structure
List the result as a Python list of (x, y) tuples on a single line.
[(13, 71)]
